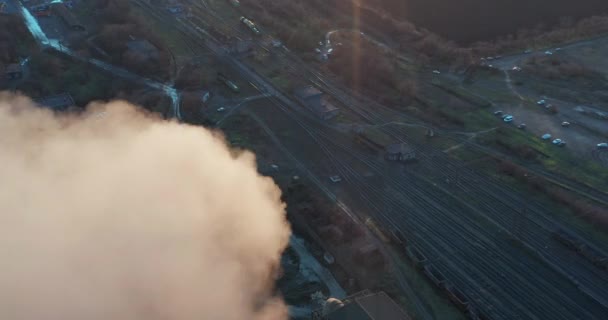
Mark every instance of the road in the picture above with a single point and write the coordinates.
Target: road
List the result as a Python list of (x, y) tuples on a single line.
[(510, 61)]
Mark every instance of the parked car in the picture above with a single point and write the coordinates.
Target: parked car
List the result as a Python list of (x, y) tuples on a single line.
[(558, 142), (565, 124), (516, 68), (541, 102), (546, 136), (335, 179), (508, 118), (603, 145), (221, 109), (521, 126), (528, 51), (436, 72), (548, 53), (498, 113)]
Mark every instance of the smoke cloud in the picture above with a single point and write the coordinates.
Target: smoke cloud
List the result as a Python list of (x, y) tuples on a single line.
[(124, 216)]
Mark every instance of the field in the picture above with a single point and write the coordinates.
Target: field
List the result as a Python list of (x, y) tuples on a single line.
[(460, 20)]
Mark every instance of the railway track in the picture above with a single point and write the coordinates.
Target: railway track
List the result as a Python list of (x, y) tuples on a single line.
[(457, 244)]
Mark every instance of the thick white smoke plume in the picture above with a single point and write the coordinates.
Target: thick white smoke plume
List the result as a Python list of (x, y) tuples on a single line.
[(127, 217)]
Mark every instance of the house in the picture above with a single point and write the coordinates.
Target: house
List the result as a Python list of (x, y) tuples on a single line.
[(67, 16), (362, 306), (400, 151), (58, 102), (313, 99), (14, 71)]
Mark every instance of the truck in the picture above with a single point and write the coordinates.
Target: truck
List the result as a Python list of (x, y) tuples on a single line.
[(251, 25)]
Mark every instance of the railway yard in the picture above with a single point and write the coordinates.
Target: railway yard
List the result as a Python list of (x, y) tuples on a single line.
[(488, 245)]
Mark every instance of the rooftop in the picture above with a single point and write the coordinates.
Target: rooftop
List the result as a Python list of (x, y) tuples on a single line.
[(402, 148), (144, 47), (307, 92)]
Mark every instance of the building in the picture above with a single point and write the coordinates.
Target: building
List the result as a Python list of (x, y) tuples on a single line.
[(362, 306), (314, 100), (399, 152), (143, 48), (13, 71), (67, 16), (379, 141), (58, 102)]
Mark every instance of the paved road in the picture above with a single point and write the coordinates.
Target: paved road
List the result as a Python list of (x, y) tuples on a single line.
[(510, 61)]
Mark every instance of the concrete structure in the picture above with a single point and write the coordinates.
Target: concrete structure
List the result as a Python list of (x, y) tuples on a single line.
[(313, 99), (362, 306), (59, 102)]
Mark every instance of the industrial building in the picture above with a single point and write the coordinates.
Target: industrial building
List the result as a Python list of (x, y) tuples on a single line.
[(313, 99), (381, 142)]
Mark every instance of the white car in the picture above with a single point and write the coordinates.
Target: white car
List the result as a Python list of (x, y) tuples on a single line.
[(221, 109), (541, 102), (528, 51), (565, 124), (508, 118), (548, 53), (436, 72), (546, 136), (559, 142), (516, 68), (335, 179), (603, 145)]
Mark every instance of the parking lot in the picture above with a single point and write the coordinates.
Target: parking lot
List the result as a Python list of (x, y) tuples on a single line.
[(579, 138)]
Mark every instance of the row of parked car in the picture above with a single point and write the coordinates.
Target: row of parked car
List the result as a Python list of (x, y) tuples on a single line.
[(507, 118)]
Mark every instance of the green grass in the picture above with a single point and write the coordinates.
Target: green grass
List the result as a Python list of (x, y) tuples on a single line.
[(560, 160), (460, 92)]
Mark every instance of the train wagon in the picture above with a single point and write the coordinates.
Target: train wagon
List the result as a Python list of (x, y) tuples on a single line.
[(231, 85), (250, 25)]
